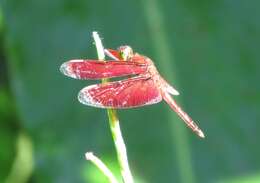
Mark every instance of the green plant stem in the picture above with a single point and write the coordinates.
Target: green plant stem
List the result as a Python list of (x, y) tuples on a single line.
[(23, 164), (102, 167), (114, 125)]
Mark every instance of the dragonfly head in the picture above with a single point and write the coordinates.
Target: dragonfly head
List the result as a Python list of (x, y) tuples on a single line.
[(126, 52)]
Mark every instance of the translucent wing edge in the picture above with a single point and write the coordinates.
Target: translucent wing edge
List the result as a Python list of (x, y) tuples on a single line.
[(172, 90), (85, 98), (67, 71)]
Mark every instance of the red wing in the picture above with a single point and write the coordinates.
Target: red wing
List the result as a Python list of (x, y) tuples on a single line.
[(132, 92), (94, 69)]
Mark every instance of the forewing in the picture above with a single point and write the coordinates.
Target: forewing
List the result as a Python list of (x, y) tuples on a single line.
[(94, 69), (128, 93)]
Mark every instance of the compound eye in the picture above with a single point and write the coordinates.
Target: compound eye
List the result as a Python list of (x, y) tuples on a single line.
[(126, 52)]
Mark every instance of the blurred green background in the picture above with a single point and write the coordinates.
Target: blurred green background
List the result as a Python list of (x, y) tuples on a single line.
[(208, 49)]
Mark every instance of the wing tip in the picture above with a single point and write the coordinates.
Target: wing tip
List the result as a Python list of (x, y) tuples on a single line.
[(201, 134), (66, 68), (85, 98), (172, 90)]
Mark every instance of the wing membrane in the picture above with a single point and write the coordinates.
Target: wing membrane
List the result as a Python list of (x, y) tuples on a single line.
[(94, 69), (128, 93)]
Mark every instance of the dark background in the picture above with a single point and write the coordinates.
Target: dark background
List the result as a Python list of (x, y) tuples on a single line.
[(208, 49)]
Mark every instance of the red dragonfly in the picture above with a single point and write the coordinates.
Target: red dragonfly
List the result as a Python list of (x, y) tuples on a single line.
[(144, 87)]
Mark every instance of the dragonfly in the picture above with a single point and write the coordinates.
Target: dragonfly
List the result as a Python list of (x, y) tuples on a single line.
[(142, 86)]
